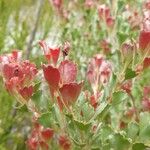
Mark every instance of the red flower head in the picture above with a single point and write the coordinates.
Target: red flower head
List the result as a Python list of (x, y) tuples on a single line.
[(64, 142), (47, 134), (32, 143), (127, 50), (126, 86), (94, 101), (99, 71), (57, 3), (146, 104), (110, 22), (105, 45), (146, 91), (18, 75), (103, 11)]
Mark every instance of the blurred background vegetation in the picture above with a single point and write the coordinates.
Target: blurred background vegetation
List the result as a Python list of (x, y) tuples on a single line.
[(23, 23)]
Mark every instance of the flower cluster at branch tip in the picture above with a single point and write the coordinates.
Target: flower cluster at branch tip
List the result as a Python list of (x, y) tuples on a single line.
[(18, 75), (39, 137), (61, 78), (144, 38), (98, 74), (105, 15)]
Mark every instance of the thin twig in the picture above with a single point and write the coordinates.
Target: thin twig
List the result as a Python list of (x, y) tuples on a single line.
[(33, 33), (134, 106)]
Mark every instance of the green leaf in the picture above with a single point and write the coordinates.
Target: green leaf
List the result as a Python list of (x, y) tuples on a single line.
[(82, 125), (45, 119), (118, 142), (132, 130), (138, 146), (118, 97), (144, 120), (145, 135), (129, 74), (105, 132), (122, 36), (37, 86), (104, 106)]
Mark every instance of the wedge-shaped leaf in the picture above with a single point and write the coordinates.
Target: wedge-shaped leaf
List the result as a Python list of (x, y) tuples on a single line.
[(144, 120), (118, 142), (133, 130), (103, 106), (129, 74), (105, 132), (118, 97), (138, 146), (82, 125), (46, 119), (144, 134)]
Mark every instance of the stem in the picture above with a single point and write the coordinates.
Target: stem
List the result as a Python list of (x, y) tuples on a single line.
[(33, 33), (133, 102)]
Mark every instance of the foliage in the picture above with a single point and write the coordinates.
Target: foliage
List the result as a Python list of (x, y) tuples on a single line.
[(89, 88)]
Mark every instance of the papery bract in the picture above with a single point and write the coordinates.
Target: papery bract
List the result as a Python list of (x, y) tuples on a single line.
[(146, 104), (126, 86), (146, 63), (68, 71), (64, 142), (50, 53), (94, 101), (52, 76), (32, 143), (144, 42), (26, 92), (146, 91), (103, 11), (12, 70), (54, 54), (47, 133), (70, 92)]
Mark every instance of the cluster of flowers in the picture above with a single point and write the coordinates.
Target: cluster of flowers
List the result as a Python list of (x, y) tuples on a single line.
[(18, 75), (61, 77), (105, 15), (41, 137), (98, 74)]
